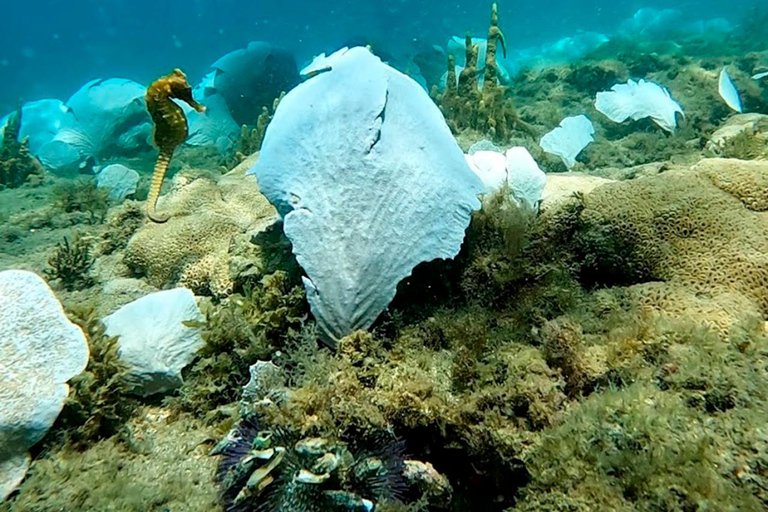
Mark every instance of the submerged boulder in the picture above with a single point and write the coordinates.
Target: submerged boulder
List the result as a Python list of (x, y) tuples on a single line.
[(112, 120), (119, 180), (153, 340), (40, 350), (251, 78), (370, 182)]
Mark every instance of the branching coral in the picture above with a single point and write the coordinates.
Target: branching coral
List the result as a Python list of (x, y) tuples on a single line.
[(251, 139), (70, 263), (488, 110), (16, 162)]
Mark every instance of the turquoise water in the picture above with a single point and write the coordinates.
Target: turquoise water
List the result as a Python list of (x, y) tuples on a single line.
[(48, 49)]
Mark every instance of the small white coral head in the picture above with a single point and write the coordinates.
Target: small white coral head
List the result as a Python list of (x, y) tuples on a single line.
[(569, 139), (490, 167), (526, 179), (728, 91), (638, 100)]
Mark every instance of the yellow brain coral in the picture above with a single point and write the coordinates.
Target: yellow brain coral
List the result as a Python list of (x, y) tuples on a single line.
[(703, 232), (193, 248)]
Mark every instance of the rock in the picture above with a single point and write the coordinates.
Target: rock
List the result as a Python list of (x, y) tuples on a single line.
[(738, 125), (153, 340), (119, 179), (40, 350), (560, 187)]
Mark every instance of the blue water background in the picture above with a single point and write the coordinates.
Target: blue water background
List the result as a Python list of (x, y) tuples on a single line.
[(48, 49)]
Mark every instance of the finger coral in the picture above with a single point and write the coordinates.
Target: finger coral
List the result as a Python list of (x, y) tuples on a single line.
[(488, 110), (16, 162)]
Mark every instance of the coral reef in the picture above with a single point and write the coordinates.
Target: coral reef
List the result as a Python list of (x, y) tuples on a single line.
[(40, 350), (489, 110), (700, 229), (71, 262), (354, 233), (170, 130), (212, 218), (16, 162)]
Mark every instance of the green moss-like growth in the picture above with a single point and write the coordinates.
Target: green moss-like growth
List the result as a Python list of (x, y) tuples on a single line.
[(745, 146), (121, 227), (98, 406), (237, 333), (71, 262), (82, 195), (16, 162), (490, 110)]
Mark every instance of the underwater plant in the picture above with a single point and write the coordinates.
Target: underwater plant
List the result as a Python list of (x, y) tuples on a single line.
[(17, 164), (70, 263), (98, 405), (277, 470), (170, 130), (242, 330), (82, 195), (488, 110)]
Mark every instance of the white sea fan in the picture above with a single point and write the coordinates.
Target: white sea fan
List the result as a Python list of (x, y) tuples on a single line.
[(638, 100), (728, 91), (569, 139)]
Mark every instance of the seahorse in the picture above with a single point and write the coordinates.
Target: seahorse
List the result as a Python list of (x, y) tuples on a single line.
[(170, 129)]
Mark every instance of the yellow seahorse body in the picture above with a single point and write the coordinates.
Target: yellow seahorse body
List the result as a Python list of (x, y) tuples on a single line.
[(170, 129)]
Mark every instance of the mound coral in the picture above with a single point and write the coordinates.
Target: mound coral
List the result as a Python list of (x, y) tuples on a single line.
[(193, 248), (703, 230)]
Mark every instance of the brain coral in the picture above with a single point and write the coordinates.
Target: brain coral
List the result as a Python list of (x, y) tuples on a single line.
[(703, 232), (192, 249)]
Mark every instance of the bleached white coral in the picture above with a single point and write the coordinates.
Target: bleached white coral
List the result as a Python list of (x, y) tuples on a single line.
[(638, 100), (40, 350), (569, 139), (728, 92), (516, 168)]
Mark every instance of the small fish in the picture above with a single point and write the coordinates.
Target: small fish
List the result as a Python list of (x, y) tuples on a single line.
[(760, 76), (728, 92)]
